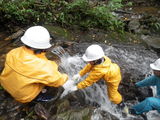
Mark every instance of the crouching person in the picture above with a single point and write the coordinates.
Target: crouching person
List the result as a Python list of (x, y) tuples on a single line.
[(150, 103), (27, 70)]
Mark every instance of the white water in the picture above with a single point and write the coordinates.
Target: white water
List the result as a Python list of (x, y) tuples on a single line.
[(95, 93)]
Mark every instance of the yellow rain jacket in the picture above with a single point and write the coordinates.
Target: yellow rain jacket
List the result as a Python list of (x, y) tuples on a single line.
[(25, 74), (107, 70)]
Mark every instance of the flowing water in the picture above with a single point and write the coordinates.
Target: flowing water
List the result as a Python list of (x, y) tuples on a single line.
[(97, 92)]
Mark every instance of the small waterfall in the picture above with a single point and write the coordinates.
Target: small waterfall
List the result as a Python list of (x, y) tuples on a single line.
[(97, 93), (70, 64)]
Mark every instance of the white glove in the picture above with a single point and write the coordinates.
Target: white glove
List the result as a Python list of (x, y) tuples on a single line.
[(69, 90), (76, 78), (68, 84), (72, 89)]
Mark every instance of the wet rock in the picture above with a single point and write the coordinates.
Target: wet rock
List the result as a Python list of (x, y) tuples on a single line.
[(66, 112), (153, 41), (41, 111), (15, 35), (99, 114), (153, 115), (134, 26), (9, 108)]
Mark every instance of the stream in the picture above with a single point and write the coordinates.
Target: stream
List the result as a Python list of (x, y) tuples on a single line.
[(91, 103), (132, 53), (130, 57)]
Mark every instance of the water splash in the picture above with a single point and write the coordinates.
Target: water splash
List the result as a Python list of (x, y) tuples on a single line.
[(59, 51), (97, 92), (153, 115), (70, 64)]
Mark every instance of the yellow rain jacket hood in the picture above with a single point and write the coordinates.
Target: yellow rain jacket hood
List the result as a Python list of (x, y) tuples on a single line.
[(107, 70), (25, 74)]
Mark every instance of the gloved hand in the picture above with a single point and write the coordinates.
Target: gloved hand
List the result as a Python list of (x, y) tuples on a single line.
[(68, 84), (69, 90), (76, 78), (72, 89)]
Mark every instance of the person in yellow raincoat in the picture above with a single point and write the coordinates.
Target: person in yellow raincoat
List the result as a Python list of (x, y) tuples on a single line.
[(100, 66), (27, 70)]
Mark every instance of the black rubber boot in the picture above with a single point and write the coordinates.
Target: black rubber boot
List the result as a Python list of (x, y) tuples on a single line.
[(44, 98), (132, 111), (121, 105), (144, 116)]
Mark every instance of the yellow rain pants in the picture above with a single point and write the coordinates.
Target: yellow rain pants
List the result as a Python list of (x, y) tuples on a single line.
[(107, 70), (25, 74)]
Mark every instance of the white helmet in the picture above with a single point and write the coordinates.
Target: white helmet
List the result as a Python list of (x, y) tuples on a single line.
[(93, 52), (36, 37), (156, 65)]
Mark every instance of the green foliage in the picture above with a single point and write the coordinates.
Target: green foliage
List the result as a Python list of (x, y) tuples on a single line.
[(115, 4), (152, 23), (81, 13), (78, 12), (17, 11), (23, 11), (155, 25), (129, 4)]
